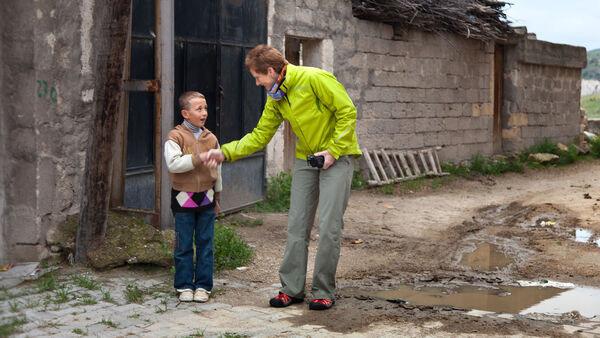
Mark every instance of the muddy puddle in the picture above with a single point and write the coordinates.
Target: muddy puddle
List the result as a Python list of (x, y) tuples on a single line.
[(486, 257), (502, 299)]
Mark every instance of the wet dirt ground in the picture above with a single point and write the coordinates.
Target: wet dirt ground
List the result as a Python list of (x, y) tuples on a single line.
[(422, 239)]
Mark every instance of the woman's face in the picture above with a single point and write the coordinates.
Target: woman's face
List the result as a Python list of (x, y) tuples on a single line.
[(266, 80)]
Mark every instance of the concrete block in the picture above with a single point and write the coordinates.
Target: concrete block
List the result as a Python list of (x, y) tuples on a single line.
[(518, 119), (428, 124), (381, 94), (406, 141), (478, 136)]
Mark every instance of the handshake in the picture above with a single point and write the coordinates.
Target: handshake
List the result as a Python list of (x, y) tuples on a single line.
[(212, 158)]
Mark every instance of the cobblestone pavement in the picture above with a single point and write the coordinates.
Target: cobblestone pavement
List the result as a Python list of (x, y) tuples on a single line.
[(81, 304)]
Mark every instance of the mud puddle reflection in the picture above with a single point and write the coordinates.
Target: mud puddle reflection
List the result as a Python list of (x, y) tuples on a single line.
[(585, 236), (486, 257), (507, 299)]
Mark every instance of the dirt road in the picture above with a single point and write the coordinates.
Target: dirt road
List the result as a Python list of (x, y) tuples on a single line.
[(524, 224)]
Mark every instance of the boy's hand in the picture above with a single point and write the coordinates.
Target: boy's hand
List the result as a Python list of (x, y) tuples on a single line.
[(329, 159), (212, 158), (217, 207)]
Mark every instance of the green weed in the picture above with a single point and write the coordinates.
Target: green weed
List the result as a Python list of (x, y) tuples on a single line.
[(107, 297), (236, 221), (386, 189), (134, 294), (109, 323), (78, 331), (62, 295), (358, 181), (14, 306), (86, 299), (46, 283), (86, 281), (595, 147), (230, 250), (13, 326), (277, 197)]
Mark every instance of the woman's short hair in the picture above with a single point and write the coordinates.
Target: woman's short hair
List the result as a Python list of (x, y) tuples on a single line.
[(262, 57)]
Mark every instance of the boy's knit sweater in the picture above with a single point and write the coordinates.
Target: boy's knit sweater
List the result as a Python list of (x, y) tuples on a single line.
[(191, 179)]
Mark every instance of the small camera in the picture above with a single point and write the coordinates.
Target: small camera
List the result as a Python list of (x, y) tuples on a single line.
[(315, 161)]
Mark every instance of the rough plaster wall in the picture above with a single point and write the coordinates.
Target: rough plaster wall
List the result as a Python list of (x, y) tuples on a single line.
[(3, 139), (412, 91), (47, 118), (540, 100)]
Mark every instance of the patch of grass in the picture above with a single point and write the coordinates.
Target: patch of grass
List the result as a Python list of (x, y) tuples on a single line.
[(595, 147), (277, 197), (86, 299), (13, 326), (109, 323), (62, 295), (230, 250), (46, 283), (31, 303), (386, 189), (86, 281), (134, 294), (358, 181), (233, 335), (14, 306), (78, 331), (591, 104), (163, 308), (107, 297), (196, 334), (246, 222)]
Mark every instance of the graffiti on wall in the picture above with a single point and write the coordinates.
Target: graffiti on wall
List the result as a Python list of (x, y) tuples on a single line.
[(44, 92)]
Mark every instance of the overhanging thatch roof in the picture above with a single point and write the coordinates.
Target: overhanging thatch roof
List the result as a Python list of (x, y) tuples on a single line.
[(475, 19)]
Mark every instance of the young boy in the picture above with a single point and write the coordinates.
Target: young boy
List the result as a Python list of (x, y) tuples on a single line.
[(194, 198)]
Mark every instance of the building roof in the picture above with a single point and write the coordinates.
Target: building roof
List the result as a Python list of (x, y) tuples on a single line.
[(474, 19)]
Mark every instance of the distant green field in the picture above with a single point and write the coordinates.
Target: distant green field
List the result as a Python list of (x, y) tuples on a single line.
[(592, 71), (591, 104)]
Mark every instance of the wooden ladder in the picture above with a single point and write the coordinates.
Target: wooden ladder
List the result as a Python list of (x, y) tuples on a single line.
[(391, 166)]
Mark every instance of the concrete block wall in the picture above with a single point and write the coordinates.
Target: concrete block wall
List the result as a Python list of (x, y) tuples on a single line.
[(542, 86), (46, 107), (411, 91)]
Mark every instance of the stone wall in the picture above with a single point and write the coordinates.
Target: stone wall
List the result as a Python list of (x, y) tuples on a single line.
[(542, 86), (46, 106)]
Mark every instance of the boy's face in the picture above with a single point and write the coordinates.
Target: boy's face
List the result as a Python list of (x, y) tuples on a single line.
[(266, 80), (196, 113)]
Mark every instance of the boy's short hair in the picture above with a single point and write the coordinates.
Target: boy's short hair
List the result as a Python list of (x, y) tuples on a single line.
[(262, 57), (185, 98)]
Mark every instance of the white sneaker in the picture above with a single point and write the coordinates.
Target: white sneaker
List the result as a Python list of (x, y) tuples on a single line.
[(201, 295), (186, 295)]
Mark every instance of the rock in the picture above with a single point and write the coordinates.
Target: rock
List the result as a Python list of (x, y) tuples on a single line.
[(562, 147), (128, 240), (543, 158)]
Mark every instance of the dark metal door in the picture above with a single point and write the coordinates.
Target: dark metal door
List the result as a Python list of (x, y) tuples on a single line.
[(212, 39)]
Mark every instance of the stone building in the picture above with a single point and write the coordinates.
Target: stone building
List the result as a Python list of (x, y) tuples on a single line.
[(413, 87)]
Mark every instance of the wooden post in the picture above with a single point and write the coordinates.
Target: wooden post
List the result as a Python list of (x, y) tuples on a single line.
[(112, 24)]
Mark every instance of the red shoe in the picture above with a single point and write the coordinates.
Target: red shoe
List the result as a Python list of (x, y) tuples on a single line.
[(283, 300), (321, 304)]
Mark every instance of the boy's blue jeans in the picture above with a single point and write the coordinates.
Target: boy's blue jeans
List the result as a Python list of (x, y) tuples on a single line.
[(198, 226)]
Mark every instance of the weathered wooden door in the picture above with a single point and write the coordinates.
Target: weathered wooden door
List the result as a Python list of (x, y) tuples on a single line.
[(211, 39)]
